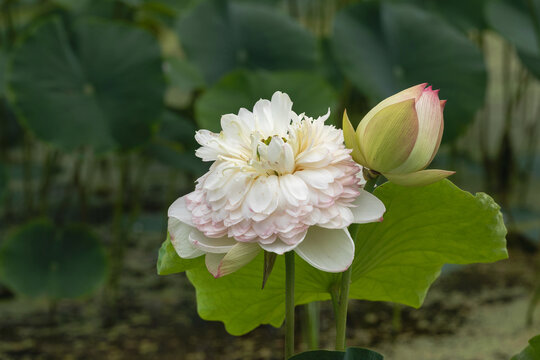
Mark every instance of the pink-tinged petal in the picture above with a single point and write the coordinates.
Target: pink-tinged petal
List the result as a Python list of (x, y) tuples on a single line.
[(439, 138), (419, 178), (327, 249), (430, 123), (179, 234), (211, 245), (413, 92), (443, 104), (368, 208), (212, 262), (351, 140), (390, 136), (240, 255), (179, 210), (280, 247)]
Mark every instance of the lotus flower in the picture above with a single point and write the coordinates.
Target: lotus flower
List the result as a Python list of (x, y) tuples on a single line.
[(279, 182), (400, 136)]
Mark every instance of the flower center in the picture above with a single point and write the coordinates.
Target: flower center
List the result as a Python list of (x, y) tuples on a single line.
[(272, 156)]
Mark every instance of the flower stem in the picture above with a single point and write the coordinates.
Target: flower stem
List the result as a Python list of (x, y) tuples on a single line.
[(343, 303), (289, 304), (341, 320)]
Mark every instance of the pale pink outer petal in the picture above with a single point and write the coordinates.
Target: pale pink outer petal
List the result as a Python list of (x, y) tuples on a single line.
[(179, 233), (368, 208), (211, 245), (179, 210), (430, 124), (327, 250), (240, 255), (212, 262)]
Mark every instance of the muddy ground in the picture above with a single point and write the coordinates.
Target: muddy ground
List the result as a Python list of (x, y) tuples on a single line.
[(472, 312)]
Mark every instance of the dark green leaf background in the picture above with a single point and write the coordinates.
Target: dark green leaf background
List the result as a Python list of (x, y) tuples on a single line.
[(388, 47), (39, 260), (105, 92)]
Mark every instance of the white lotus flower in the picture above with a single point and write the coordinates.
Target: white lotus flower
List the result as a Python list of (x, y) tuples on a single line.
[(279, 182)]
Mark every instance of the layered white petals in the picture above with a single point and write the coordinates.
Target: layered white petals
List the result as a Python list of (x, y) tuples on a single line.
[(281, 246), (276, 176), (327, 250), (211, 245)]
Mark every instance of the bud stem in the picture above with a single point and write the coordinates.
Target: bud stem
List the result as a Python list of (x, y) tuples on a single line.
[(343, 303)]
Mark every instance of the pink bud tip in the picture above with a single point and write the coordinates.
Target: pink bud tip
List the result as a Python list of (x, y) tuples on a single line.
[(443, 103), (436, 91), (428, 88)]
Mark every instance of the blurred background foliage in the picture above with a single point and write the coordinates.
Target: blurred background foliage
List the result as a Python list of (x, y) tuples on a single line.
[(100, 100)]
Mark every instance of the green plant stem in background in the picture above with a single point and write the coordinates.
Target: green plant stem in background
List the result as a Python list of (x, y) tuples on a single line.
[(289, 304), (342, 306), (535, 298), (78, 184), (312, 324), (10, 28), (119, 230), (47, 175), (27, 174), (396, 318), (341, 316)]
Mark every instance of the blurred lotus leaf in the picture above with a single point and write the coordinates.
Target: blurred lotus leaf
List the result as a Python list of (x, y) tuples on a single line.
[(101, 86), (383, 48), (466, 15), (3, 68), (175, 144), (39, 259), (351, 354), (531, 352), (220, 36), (515, 20)]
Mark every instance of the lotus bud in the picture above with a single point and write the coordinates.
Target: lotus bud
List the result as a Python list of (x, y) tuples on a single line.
[(400, 136)]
